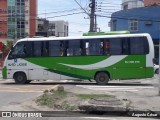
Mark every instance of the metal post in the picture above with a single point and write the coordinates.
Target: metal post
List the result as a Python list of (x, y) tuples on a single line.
[(95, 28), (92, 15)]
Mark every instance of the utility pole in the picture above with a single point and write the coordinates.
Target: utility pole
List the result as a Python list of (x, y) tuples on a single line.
[(92, 5), (95, 26)]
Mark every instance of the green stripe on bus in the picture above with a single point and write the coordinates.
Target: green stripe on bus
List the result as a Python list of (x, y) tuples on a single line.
[(4, 72)]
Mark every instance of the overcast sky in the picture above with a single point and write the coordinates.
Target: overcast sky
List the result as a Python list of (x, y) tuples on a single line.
[(69, 10)]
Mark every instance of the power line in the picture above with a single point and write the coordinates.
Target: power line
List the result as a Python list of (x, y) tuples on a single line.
[(16, 15), (79, 23), (60, 11), (108, 3), (65, 15), (82, 7)]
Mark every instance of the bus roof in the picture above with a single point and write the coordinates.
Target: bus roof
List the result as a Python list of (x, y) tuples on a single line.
[(83, 37), (105, 33)]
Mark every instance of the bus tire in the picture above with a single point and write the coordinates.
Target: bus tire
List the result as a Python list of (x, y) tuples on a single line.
[(157, 71), (102, 78), (20, 78)]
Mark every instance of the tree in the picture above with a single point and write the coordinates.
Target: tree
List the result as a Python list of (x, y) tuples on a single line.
[(7, 47)]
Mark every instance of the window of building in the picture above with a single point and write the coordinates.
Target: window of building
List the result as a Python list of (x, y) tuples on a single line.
[(51, 33), (133, 25), (125, 7), (52, 26), (113, 25), (11, 2)]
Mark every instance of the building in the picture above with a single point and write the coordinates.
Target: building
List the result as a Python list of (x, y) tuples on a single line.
[(151, 2), (58, 28), (42, 29), (3, 19), (19, 19), (139, 20), (129, 4)]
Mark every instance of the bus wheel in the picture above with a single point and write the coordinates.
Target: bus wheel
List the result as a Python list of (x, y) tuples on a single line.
[(102, 78), (20, 78), (157, 71)]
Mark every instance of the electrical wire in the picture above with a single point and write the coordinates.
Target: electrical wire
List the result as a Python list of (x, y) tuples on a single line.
[(65, 15), (60, 11), (82, 7)]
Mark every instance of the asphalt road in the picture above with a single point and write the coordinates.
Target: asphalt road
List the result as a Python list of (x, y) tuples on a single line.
[(13, 94)]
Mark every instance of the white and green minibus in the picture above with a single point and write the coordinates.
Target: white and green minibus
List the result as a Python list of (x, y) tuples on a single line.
[(100, 58)]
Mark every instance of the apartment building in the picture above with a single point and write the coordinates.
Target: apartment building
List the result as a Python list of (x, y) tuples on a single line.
[(58, 28), (19, 18)]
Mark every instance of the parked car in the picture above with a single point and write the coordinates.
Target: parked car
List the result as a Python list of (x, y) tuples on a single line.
[(156, 69)]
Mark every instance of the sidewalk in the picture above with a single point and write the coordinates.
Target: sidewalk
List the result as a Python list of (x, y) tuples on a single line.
[(144, 100)]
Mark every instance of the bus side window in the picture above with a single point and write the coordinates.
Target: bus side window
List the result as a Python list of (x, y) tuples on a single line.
[(87, 47), (45, 48), (29, 49), (37, 49), (115, 46), (139, 46), (62, 48), (126, 46), (56, 48), (74, 48), (107, 47), (102, 47), (93, 47)]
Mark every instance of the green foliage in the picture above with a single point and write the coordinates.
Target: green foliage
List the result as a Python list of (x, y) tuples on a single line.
[(46, 100), (50, 97), (7, 47), (54, 99), (91, 96), (57, 99)]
